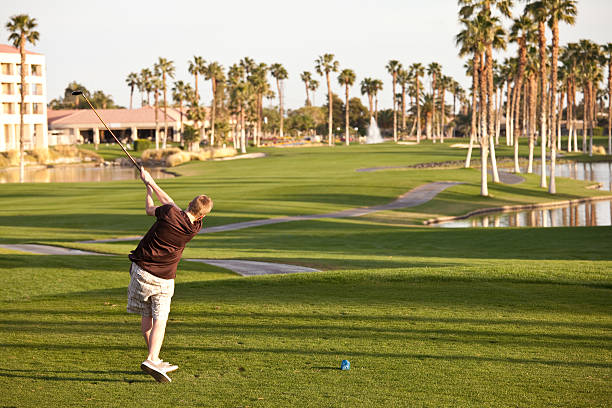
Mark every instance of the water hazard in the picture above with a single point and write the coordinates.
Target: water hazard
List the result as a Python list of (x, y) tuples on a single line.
[(597, 213), (76, 173)]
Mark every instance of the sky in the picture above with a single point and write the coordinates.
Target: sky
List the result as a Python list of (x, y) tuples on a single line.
[(98, 43)]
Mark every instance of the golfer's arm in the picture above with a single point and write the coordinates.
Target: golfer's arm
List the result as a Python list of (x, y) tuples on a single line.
[(149, 203), (161, 194)]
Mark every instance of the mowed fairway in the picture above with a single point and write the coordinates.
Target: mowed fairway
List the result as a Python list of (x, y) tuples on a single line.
[(427, 317)]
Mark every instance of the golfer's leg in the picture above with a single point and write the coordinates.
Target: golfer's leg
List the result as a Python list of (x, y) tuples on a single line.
[(156, 339), (146, 324)]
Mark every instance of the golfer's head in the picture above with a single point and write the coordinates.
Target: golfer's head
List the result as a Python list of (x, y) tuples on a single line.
[(200, 206)]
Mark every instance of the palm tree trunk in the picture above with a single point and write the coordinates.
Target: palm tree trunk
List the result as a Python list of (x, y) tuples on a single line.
[(394, 109), (280, 105), (510, 96), (346, 116), (403, 109), (585, 99), (533, 89), (592, 102), (418, 104), (433, 106), (131, 95), (329, 117), (489, 107), (610, 107), (574, 127), (483, 137), (568, 116), (553, 109), (242, 131), (181, 113), (156, 122), (475, 64), (544, 97), (213, 110), (307, 94), (22, 110), (165, 113)]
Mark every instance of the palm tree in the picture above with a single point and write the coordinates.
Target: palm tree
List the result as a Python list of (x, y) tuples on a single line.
[(522, 28), (417, 70), (393, 67), (324, 65), (306, 78), (259, 81), (346, 78), (403, 78), (553, 11), (313, 85), (469, 41), (434, 70), (213, 72), (181, 92), (165, 68), (248, 65), (156, 85), (589, 55), (197, 67), (280, 73), (607, 51), (132, 81), (377, 86), (22, 29), (368, 89), (145, 80)]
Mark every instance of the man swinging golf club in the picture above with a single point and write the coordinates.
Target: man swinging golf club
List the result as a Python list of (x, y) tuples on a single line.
[(154, 264)]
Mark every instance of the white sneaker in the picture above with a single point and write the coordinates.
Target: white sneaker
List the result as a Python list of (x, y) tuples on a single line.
[(156, 371), (168, 367)]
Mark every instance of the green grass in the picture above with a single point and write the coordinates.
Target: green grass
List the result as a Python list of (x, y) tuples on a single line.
[(427, 317), (109, 151)]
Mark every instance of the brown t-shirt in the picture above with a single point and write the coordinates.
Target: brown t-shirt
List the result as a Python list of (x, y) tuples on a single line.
[(160, 250)]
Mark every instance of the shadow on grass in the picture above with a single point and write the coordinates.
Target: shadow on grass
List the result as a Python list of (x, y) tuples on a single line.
[(58, 375)]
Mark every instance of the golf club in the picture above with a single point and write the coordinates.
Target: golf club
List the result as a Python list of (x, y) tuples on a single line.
[(76, 93)]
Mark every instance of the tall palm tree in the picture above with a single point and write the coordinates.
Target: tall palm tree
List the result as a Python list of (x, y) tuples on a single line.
[(346, 78), (280, 73), (553, 11), (589, 73), (377, 86), (367, 88), (417, 70), (145, 80), (324, 65), (156, 85), (607, 51), (196, 67), (313, 85), (522, 28), (434, 70), (23, 30), (393, 67), (165, 68), (181, 92), (214, 73), (403, 78), (259, 82), (306, 78), (248, 64), (131, 81), (469, 41)]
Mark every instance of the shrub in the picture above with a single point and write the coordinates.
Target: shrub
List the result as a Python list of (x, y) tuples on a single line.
[(178, 158), (160, 154), (42, 156), (142, 144), (13, 157)]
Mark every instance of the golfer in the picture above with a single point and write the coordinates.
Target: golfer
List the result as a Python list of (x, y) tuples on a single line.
[(154, 264)]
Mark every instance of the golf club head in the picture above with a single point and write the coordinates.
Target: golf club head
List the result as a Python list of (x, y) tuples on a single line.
[(77, 93)]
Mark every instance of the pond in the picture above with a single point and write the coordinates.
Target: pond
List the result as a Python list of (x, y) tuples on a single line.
[(77, 173), (597, 213)]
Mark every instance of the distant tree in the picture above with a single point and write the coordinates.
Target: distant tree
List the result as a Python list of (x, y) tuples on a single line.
[(359, 116), (417, 70), (607, 52), (324, 65), (196, 67), (182, 92), (165, 68), (393, 67), (23, 30), (367, 88), (280, 73), (213, 72), (306, 78), (403, 78), (377, 86), (132, 82), (313, 85), (347, 78), (145, 81)]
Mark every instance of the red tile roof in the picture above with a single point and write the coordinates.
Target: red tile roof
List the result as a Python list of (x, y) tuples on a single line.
[(9, 49), (110, 116)]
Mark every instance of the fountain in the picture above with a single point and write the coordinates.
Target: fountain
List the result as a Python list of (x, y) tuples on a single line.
[(373, 133)]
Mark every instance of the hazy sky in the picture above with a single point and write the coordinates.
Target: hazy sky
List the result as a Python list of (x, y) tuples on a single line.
[(98, 43)]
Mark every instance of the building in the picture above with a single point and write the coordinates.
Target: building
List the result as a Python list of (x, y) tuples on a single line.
[(83, 126), (35, 118)]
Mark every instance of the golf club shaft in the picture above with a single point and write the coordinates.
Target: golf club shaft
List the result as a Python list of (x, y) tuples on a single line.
[(112, 134)]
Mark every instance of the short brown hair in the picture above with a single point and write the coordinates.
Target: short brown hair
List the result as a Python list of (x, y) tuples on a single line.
[(200, 206)]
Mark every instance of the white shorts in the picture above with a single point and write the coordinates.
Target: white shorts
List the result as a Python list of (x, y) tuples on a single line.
[(149, 295)]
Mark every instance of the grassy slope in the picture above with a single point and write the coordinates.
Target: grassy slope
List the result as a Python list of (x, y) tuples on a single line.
[(427, 317)]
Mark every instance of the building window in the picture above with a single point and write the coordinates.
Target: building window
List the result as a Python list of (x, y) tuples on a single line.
[(37, 108), (7, 88), (27, 88), (8, 108), (7, 69), (27, 109), (7, 136), (38, 90), (19, 69), (36, 70)]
